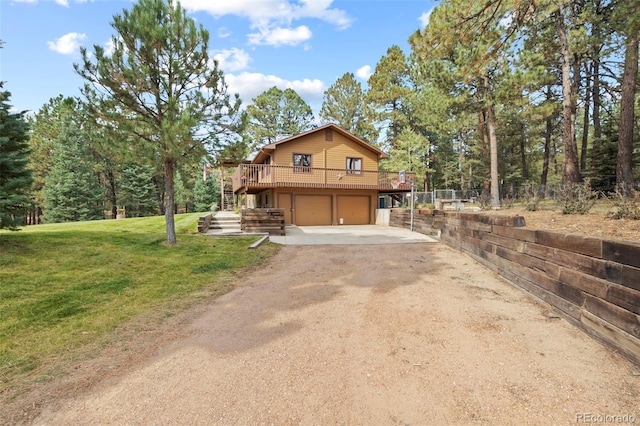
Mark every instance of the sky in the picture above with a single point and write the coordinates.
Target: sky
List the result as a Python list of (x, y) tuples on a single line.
[(305, 45)]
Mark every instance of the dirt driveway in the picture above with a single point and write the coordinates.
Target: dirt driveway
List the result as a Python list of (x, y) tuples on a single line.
[(414, 334)]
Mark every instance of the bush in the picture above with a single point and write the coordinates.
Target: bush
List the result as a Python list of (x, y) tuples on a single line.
[(531, 196), (485, 200), (508, 201), (625, 207), (577, 198)]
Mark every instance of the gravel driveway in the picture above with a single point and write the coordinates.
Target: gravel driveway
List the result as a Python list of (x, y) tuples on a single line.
[(414, 334)]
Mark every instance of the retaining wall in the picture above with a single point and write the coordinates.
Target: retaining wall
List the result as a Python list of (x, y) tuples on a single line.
[(594, 283), (262, 220)]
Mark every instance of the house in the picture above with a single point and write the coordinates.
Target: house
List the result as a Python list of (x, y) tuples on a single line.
[(325, 176)]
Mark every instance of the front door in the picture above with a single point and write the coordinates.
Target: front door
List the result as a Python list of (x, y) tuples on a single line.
[(285, 203)]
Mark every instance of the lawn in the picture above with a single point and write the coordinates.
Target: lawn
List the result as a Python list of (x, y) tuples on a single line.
[(66, 286)]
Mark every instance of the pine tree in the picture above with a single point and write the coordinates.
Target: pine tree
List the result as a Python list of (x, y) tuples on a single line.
[(15, 177), (72, 191), (388, 91), (45, 131), (275, 113), (344, 105), (206, 193), (137, 193), (160, 85)]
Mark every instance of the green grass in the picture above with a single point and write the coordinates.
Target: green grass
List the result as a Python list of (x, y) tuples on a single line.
[(66, 286)]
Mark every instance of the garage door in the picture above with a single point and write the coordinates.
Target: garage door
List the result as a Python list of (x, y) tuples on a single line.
[(312, 210), (354, 209)]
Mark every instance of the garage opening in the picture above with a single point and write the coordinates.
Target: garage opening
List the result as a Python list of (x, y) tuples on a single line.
[(312, 210), (354, 209)]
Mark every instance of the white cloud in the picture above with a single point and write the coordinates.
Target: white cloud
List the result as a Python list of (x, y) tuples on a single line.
[(249, 85), (230, 60), (64, 3), (67, 44), (280, 36), (424, 18), (109, 47), (273, 19), (223, 32), (364, 72)]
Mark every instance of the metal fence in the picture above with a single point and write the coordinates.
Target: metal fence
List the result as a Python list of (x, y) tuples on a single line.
[(508, 194), (511, 193)]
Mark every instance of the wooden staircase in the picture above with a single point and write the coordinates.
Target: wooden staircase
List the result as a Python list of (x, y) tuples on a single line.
[(221, 223)]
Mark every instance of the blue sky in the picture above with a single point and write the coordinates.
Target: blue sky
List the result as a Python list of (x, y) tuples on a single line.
[(302, 44)]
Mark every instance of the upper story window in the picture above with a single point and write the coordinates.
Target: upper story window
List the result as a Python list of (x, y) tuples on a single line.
[(302, 163), (354, 166), (328, 134)]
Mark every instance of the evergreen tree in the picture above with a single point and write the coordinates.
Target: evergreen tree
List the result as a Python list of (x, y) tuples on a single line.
[(389, 87), (72, 191), (137, 193), (160, 86), (630, 10), (344, 105), (45, 131), (276, 113), (15, 177), (206, 193)]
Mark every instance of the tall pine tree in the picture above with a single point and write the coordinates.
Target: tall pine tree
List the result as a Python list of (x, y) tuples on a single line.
[(344, 105), (72, 191), (15, 177), (160, 85)]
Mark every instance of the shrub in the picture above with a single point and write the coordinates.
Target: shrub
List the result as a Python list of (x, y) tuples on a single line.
[(485, 200), (508, 201), (531, 196), (625, 207), (577, 198)]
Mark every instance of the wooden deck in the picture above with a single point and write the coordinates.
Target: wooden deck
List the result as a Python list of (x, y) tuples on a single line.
[(252, 178)]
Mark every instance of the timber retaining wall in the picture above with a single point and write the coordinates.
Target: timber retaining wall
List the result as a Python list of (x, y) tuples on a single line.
[(593, 283), (270, 221)]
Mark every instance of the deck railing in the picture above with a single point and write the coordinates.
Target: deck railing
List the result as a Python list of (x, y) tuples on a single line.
[(254, 177)]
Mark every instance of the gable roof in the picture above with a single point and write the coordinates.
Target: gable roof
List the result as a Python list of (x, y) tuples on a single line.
[(268, 149)]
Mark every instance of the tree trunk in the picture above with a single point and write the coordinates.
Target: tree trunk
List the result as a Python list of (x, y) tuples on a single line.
[(169, 204), (571, 172), (523, 158), (624, 168), (482, 127), (111, 193), (548, 134), (597, 126), (493, 146), (585, 124)]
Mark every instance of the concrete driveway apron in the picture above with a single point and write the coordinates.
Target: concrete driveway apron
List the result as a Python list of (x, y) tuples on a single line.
[(348, 235)]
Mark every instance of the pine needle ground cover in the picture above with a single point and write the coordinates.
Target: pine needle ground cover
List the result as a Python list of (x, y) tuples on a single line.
[(66, 286)]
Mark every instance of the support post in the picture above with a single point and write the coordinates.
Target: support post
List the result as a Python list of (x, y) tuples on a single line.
[(412, 201)]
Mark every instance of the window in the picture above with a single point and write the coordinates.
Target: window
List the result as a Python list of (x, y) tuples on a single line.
[(302, 163), (328, 134), (354, 166)]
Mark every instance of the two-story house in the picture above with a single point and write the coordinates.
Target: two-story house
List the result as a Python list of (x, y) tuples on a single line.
[(325, 176)]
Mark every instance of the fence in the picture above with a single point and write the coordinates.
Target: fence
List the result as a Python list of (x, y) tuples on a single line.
[(550, 192)]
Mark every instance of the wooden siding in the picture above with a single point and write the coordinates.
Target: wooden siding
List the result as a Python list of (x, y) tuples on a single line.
[(328, 168), (325, 154)]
